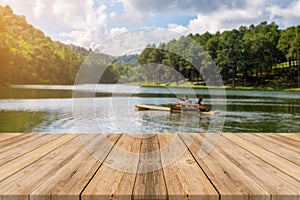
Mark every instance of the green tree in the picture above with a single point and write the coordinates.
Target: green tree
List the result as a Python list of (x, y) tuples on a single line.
[(229, 56), (261, 41)]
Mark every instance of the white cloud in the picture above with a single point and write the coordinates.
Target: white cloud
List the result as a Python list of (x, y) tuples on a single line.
[(113, 14), (178, 28), (117, 31), (136, 40), (76, 21), (204, 23), (255, 12), (139, 11), (38, 9), (190, 6), (212, 15), (224, 20), (131, 15), (287, 16), (85, 38), (88, 22)]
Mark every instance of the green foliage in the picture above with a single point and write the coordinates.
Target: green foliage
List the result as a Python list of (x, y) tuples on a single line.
[(248, 56), (289, 41), (27, 56), (245, 57)]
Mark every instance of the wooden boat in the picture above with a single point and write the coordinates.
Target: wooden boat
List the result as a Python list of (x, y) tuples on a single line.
[(141, 107), (174, 108), (179, 108)]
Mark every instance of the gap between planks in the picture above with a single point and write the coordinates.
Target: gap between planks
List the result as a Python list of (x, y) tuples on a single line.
[(236, 160)]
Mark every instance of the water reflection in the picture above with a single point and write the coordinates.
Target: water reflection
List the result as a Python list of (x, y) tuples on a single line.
[(28, 122), (51, 110)]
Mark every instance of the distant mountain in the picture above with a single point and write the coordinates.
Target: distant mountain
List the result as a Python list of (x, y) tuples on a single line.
[(131, 60)]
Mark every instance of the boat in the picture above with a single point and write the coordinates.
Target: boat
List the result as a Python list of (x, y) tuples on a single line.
[(141, 107), (173, 108), (182, 107)]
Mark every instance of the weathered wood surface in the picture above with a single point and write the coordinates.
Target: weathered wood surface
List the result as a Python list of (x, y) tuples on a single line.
[(59, 166)]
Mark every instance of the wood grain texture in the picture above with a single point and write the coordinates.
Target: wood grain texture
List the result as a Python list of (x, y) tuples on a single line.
[(23, 182), (184, 178), (295, 136), (6, 136), (276, 144), (23, 146), (21, 162), (230, 181), (150, 184), (279, 162), (109, 182), (97, 166), (271, 179), (70, 180)]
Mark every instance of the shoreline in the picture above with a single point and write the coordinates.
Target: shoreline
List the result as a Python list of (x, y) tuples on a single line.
[(170, 85), (226, 87)]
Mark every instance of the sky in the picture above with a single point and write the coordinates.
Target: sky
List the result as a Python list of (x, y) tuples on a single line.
[(89, 22)]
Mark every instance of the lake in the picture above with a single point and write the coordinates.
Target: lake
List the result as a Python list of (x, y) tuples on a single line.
[(111, 109)]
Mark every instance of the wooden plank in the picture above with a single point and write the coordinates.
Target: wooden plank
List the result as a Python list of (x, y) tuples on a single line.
[(23, 182), (111, 183), (229, 180), (150, 107), (184, 178), (293, 140), (193, 110), (6, 136), (14, 139), (149, 184), (21, 162), (188, 108), (19, 142), (294, 136), (239, 167), (277, 183), (280, 163), (23, 146), (71, 179), (276, 144), (285, 140)]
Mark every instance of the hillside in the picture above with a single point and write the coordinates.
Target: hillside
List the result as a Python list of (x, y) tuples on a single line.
[(261, 55), (27, 56), (249, 56)]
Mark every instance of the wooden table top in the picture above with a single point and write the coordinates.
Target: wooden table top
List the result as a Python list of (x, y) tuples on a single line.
[(60, 166)]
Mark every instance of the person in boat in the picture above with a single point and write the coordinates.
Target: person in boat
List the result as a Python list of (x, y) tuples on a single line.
[(202, 107), (185, 100)]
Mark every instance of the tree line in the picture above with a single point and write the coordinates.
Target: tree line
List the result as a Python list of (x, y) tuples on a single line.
[(27, 56), (248, 56)]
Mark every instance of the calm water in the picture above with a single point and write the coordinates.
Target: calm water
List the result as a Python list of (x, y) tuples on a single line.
[(111, 109)]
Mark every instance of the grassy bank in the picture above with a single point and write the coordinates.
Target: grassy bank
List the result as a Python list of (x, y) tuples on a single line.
[(227, 87)]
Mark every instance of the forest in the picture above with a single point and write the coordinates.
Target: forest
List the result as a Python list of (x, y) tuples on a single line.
[(257, 55), (261, 55), (27, 56)]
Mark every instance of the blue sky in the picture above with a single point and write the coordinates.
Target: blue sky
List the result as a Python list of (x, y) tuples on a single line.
[(88, 22)]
